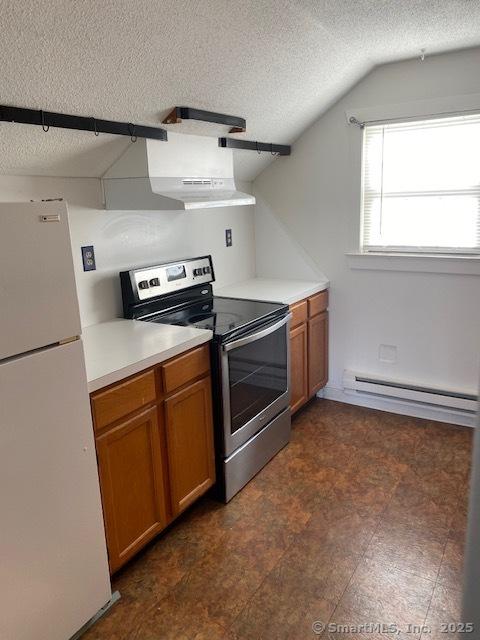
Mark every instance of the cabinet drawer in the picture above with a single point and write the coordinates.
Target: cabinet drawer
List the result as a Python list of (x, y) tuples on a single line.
[(120, 400), (181, 370), (317, 303), (299, 313)]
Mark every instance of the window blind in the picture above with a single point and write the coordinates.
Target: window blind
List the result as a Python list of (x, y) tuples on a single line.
[(421, 186)]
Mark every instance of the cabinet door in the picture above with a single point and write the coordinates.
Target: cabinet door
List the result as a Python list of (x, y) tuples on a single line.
[(317, 352), (190, 451), (131, 481), (298, 366)]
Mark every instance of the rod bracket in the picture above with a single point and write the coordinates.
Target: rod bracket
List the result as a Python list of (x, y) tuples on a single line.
[(353, 120)]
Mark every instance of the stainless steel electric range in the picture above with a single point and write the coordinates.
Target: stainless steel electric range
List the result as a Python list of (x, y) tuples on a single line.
[(250, 360)]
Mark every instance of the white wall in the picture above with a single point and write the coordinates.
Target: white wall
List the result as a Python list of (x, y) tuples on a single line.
[(433, 319), (278, 255), (127, 239)]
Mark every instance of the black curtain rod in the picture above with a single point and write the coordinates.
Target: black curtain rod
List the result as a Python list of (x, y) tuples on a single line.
[(405, 119), (47, 119), (251, 145)]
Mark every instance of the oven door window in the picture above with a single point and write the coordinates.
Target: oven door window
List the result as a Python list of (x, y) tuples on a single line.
[(258, 376)]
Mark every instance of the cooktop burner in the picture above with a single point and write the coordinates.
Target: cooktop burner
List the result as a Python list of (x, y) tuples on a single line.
[(223, 316), (213, 321)]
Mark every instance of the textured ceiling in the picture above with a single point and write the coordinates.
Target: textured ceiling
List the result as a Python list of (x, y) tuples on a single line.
[(278, 63)]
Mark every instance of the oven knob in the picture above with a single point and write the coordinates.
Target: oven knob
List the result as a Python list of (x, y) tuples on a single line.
[(143, 284), (154, 282), (206, 269), (198, 272)]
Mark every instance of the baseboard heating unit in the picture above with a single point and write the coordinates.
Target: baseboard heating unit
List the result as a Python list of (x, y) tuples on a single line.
[(449, 401)]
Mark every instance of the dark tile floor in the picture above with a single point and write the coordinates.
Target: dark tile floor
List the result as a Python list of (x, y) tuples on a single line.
[(360, 520)]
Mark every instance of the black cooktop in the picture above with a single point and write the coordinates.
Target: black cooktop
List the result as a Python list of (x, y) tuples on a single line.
[(226, 317)]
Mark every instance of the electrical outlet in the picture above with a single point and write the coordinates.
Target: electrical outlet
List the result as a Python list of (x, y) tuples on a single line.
[(228, 237), (88, 258)]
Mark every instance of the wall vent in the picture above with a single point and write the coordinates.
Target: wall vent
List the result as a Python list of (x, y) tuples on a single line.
[(197, 181)]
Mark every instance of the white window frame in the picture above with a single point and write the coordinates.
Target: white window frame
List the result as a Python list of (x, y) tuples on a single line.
[(409, 250)]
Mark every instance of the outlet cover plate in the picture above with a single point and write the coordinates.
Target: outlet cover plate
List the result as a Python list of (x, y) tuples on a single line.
[(88, 258)]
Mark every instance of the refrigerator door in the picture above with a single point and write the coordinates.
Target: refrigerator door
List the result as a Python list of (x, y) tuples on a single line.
[(54, 569), (38, 297)]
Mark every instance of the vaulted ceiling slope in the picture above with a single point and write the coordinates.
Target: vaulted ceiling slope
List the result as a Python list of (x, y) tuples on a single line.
[(278, 63)]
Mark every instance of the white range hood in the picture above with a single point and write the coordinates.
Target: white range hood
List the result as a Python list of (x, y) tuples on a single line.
[(187, 172)]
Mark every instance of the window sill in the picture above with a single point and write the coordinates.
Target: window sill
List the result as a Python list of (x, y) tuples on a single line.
[(414, 262)]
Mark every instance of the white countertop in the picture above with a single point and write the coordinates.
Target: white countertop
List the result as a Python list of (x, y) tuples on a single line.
[(271, 290), (117, 349)]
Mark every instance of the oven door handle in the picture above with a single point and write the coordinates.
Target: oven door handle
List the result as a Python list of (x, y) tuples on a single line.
[(256, 336)]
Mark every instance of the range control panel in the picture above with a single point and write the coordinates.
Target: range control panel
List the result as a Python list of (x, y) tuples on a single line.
[(172, 276)]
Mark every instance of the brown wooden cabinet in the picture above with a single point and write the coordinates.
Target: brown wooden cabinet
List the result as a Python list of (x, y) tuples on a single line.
[(298, 366), (154, 440), (308, 348), (131, 477), (191, 461), (317, 353)]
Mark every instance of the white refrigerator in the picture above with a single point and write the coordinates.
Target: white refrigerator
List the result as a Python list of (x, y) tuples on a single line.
[(53, 561)]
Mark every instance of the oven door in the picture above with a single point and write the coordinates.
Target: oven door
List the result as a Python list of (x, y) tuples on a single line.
[(255, 381)]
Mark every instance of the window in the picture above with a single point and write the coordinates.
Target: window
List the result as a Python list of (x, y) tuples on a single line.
[(421, 186)]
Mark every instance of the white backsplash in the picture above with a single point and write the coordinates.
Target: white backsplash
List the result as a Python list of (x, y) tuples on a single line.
[(128, 239)]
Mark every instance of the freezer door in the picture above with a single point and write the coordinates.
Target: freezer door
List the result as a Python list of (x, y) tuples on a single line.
[(54, 570), (38, 298)]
